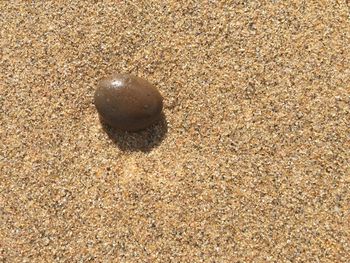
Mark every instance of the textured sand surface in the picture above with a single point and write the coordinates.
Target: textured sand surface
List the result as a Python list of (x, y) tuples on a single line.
[(250, 164)]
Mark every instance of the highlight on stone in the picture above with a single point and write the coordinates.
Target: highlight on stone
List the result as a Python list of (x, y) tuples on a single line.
[(127, 102)]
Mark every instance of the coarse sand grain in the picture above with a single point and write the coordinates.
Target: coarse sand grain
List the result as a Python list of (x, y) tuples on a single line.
[(250, 162)]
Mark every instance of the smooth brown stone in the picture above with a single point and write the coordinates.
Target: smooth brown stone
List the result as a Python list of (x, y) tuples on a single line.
[(127, 102)]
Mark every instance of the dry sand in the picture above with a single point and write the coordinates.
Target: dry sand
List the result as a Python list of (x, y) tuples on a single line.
[(250, 164)]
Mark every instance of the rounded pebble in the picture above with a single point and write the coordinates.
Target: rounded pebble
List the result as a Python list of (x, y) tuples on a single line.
[(127, 102)]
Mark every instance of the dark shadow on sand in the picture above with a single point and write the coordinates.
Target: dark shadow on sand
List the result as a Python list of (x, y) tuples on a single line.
[(144, 140)]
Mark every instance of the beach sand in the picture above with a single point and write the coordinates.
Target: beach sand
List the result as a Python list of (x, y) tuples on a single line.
[(249, 164)]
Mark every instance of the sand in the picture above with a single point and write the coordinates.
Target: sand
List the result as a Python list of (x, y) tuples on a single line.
[(249, 164)]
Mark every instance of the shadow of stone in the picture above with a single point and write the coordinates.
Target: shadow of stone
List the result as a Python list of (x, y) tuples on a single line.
[(144, 140)]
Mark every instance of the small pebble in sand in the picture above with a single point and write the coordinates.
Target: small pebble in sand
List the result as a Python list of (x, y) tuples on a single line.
[(127, 102)]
